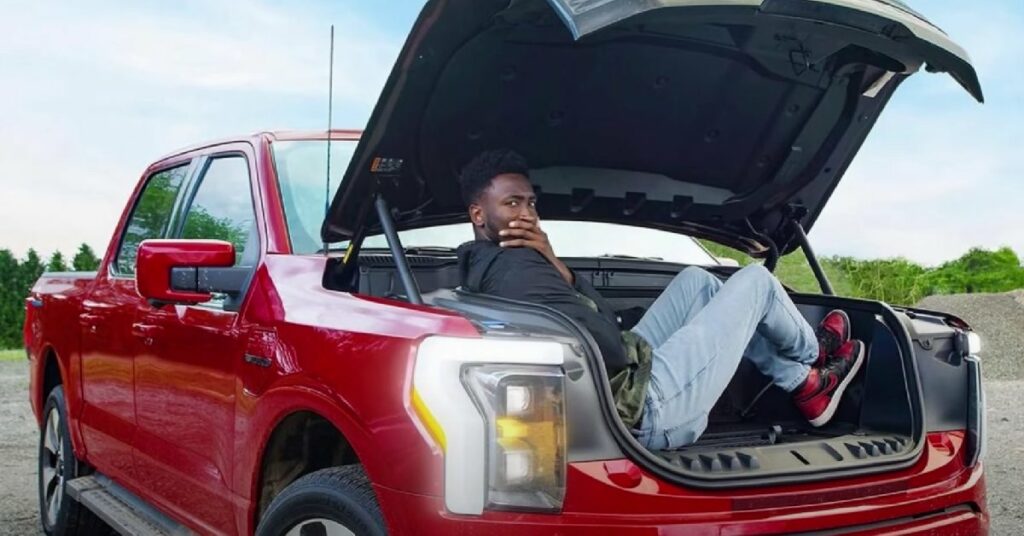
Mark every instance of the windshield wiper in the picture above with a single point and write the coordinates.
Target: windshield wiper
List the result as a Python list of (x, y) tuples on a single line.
[(419, 250), (630, 257), (411, 250)]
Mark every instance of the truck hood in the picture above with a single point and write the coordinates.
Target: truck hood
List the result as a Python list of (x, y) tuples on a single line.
[(724, 119)]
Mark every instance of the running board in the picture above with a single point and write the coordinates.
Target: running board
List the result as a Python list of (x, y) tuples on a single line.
[(121, 509)]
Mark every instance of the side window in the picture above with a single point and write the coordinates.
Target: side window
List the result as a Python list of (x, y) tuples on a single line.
[(151, 215), (222, 208)]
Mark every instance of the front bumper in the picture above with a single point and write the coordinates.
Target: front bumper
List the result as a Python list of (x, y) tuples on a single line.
[(937, 496)]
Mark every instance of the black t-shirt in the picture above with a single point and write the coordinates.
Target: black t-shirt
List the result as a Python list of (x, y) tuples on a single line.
[(524, 274)]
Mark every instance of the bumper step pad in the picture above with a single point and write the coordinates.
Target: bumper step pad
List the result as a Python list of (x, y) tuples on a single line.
[(748, 457)]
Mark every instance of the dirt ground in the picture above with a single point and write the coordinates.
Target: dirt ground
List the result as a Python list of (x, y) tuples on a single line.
[(18, 443)]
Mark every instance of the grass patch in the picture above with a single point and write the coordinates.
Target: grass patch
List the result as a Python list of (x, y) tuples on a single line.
[(12, 355), (793, 270)]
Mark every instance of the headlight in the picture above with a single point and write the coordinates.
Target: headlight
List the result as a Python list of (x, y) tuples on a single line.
[(525, 414), (495, 407)]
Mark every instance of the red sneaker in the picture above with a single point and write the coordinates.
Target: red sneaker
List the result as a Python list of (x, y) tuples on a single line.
[(833, 332), (820, 393)]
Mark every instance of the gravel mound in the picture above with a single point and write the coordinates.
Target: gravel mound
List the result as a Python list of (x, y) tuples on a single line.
[(999, 319)]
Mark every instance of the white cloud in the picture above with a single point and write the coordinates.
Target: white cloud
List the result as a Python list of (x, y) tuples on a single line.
[(93, 93), (936, 177), (251, 48)]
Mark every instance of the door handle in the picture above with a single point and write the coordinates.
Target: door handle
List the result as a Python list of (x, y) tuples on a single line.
[(145, 331), (89, 322)]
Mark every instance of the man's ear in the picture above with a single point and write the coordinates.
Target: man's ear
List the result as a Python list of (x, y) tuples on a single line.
[(476, 215)]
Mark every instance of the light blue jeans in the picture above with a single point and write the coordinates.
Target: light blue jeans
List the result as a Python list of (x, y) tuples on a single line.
[(699, 329)]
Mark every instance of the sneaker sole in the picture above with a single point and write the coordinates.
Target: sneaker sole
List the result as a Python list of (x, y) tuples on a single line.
[(830, 410)]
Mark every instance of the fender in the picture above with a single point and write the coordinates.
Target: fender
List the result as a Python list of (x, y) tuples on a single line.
[(257, 418), (72, 392)]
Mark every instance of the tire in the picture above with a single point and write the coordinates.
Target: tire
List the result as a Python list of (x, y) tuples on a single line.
[(59, 514), (333, 501)]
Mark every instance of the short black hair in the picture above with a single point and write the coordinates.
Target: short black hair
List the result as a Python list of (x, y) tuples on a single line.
[(477, 174)]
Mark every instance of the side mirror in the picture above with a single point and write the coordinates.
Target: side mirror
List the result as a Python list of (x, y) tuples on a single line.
[(167, 271)]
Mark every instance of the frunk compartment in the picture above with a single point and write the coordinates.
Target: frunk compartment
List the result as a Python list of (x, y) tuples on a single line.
[(877, 398), (755, 431)]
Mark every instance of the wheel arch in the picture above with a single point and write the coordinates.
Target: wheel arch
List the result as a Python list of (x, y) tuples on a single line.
[(50, 374), (281, 456)]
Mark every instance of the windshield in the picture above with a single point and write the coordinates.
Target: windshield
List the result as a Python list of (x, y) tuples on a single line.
[(302, 166), (573, 239)]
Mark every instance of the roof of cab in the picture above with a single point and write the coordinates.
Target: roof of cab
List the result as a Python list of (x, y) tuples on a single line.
[(269, 135)]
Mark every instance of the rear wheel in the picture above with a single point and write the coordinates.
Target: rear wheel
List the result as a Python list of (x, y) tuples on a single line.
[(60, 515), (337, 501)]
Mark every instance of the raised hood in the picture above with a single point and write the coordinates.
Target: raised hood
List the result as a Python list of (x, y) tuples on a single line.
[(718, 118)]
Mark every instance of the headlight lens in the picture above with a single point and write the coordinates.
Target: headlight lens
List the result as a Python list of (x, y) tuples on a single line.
[(467, 391), (524, 410)]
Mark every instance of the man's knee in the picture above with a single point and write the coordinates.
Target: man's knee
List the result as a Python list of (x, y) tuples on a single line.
[(754, 272), (697, 276)]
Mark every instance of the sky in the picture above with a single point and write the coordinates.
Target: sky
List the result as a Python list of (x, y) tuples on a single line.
[(93, 92)]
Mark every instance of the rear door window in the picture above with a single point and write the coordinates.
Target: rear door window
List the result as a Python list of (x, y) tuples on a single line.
[(151, 216)]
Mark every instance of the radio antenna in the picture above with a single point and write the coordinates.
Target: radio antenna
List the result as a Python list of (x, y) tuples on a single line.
[(330, 115)]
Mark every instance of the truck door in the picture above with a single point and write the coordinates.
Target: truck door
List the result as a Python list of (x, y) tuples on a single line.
[(185, 386), (108, 342)]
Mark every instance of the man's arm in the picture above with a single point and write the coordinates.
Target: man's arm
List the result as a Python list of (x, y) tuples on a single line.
[(526, 234)]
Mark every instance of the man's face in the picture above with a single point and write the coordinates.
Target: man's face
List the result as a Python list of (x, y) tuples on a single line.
[(509, 197)]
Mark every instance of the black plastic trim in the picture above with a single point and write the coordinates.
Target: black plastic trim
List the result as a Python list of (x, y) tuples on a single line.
[(975, 444)]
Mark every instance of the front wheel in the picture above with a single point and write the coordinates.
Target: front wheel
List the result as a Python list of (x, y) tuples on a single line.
[(337, 501), (60, 515)]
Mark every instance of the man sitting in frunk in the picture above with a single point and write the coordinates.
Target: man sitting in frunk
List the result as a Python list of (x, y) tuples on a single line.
[(668, 371)]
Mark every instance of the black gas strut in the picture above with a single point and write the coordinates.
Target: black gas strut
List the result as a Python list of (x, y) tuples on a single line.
[(397, 251), (826, 287)]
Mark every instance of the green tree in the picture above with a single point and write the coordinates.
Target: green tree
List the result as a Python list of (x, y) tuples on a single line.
[(57, 263), (201, 224), (29, 271), (11, 301), (978, 270), (151, 214), (85, 260)]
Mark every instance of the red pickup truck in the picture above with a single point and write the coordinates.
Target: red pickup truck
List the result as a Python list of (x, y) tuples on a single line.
[(249, 359)]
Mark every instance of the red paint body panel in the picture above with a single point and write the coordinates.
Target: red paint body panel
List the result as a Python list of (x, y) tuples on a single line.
[(180, 417), (596, 504)]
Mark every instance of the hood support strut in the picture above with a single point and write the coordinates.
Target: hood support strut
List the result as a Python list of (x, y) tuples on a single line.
[(805, 244), (412, 291), (345, 276)]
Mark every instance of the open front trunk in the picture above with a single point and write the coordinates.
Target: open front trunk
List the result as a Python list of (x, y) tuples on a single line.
[(755, 430), (878, 422), (751, 439)]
